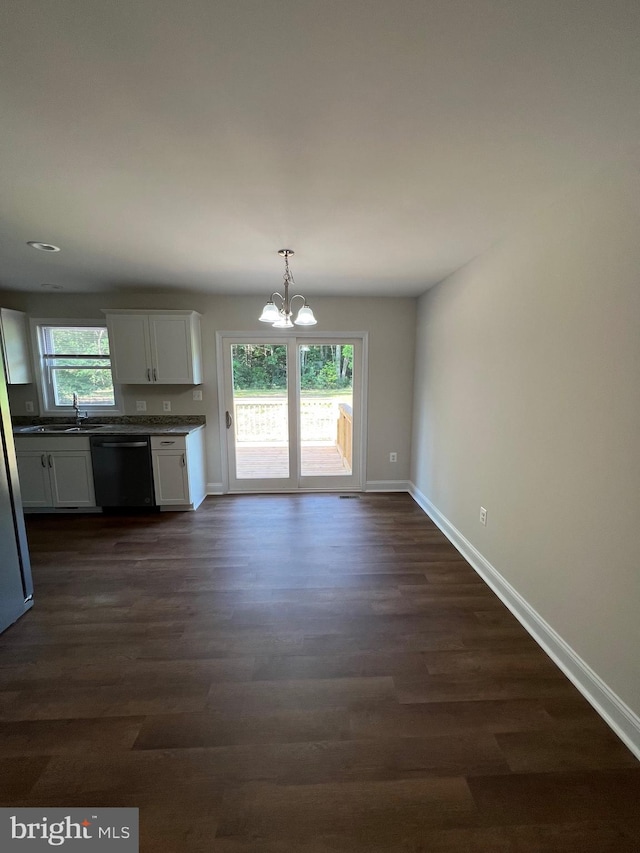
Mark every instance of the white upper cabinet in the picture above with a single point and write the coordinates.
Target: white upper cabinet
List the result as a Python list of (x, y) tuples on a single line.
[(14, 338), (161, 347), (129, 348)]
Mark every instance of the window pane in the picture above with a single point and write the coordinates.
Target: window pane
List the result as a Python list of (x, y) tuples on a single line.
[(93, 386), (78, 340), (75, 359), (326, 405), (78, 362), (261, 411)]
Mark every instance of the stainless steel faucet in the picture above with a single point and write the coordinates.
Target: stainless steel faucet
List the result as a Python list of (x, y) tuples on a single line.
[(76, 407)]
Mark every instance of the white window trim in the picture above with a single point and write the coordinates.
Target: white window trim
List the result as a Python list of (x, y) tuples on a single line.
[(67, 411)]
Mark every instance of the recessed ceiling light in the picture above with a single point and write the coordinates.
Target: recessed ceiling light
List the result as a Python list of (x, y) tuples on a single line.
[(53, 286), (43, 247)]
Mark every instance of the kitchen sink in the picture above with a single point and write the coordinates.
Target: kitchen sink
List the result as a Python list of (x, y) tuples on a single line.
[(62, 428), (88, 428)]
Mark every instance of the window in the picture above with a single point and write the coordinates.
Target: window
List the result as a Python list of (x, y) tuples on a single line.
[(74, 358)]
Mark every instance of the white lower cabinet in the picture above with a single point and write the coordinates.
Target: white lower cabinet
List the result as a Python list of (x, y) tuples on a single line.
[(179, 470), (55, 472)]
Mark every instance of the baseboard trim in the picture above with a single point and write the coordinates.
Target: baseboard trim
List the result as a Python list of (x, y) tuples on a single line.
[(387, 486), (624, 722), (370, 486)]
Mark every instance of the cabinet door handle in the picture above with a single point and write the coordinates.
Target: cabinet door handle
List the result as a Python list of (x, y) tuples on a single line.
[(50, 461), (43, 459), (167, 442), (183, 461), (148, 374), (155, 375), (228, 419)]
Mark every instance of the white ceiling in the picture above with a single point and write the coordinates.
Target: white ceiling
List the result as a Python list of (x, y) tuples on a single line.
[(181, 143)]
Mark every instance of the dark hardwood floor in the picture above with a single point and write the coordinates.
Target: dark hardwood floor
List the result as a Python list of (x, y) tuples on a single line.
[(298, 674)]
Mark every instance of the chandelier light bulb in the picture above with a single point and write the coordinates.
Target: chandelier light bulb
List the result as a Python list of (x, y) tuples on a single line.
[(305, 317), (270, 313)]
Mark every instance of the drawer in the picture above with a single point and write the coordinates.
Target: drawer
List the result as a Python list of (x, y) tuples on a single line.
[(49, 443), (168, 442)]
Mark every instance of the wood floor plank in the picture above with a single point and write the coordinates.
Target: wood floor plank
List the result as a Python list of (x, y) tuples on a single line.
[(132, 778), (545, 751), (365, 813), (298, 674), (559, 797), (388, 719), (329, 761), (59, 737), (209, 729), (17, 778), (357, 664), (302, 694), (467, 688), (585, 837), (122, 700), (160, 675)]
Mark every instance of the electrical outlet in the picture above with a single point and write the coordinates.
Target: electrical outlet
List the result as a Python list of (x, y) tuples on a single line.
[(166, 405), (141, 405), (197, 393), (483, 516), (29, 407), (393, 456)]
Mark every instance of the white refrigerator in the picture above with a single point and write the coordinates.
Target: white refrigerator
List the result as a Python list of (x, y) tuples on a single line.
[(16, 587)]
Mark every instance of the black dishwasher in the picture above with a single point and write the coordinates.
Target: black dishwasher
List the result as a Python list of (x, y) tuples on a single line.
[(122, 470)]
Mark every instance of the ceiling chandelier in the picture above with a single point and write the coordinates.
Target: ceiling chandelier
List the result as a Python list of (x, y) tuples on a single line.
[(279, 315)]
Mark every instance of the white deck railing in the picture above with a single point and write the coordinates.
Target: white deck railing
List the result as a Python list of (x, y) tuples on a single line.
[(266, 420)]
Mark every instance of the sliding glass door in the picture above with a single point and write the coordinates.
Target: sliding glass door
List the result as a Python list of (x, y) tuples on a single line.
[(257, 421), (325, 407), (292, 412)]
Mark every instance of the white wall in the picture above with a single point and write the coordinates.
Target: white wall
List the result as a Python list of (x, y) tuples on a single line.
[(527, 401), (390, 323)]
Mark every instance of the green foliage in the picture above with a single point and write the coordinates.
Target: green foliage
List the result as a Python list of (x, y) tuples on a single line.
[(77, 340), (326, 366), (328, 376), (93, 387), (261, 367)]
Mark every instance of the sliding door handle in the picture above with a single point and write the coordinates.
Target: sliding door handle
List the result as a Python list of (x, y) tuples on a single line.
[(229, 420)]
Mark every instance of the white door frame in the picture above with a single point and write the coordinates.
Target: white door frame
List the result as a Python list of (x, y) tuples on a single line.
[(223, 338)]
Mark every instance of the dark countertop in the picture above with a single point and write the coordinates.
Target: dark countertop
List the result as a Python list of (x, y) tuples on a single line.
[(108, 429)]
